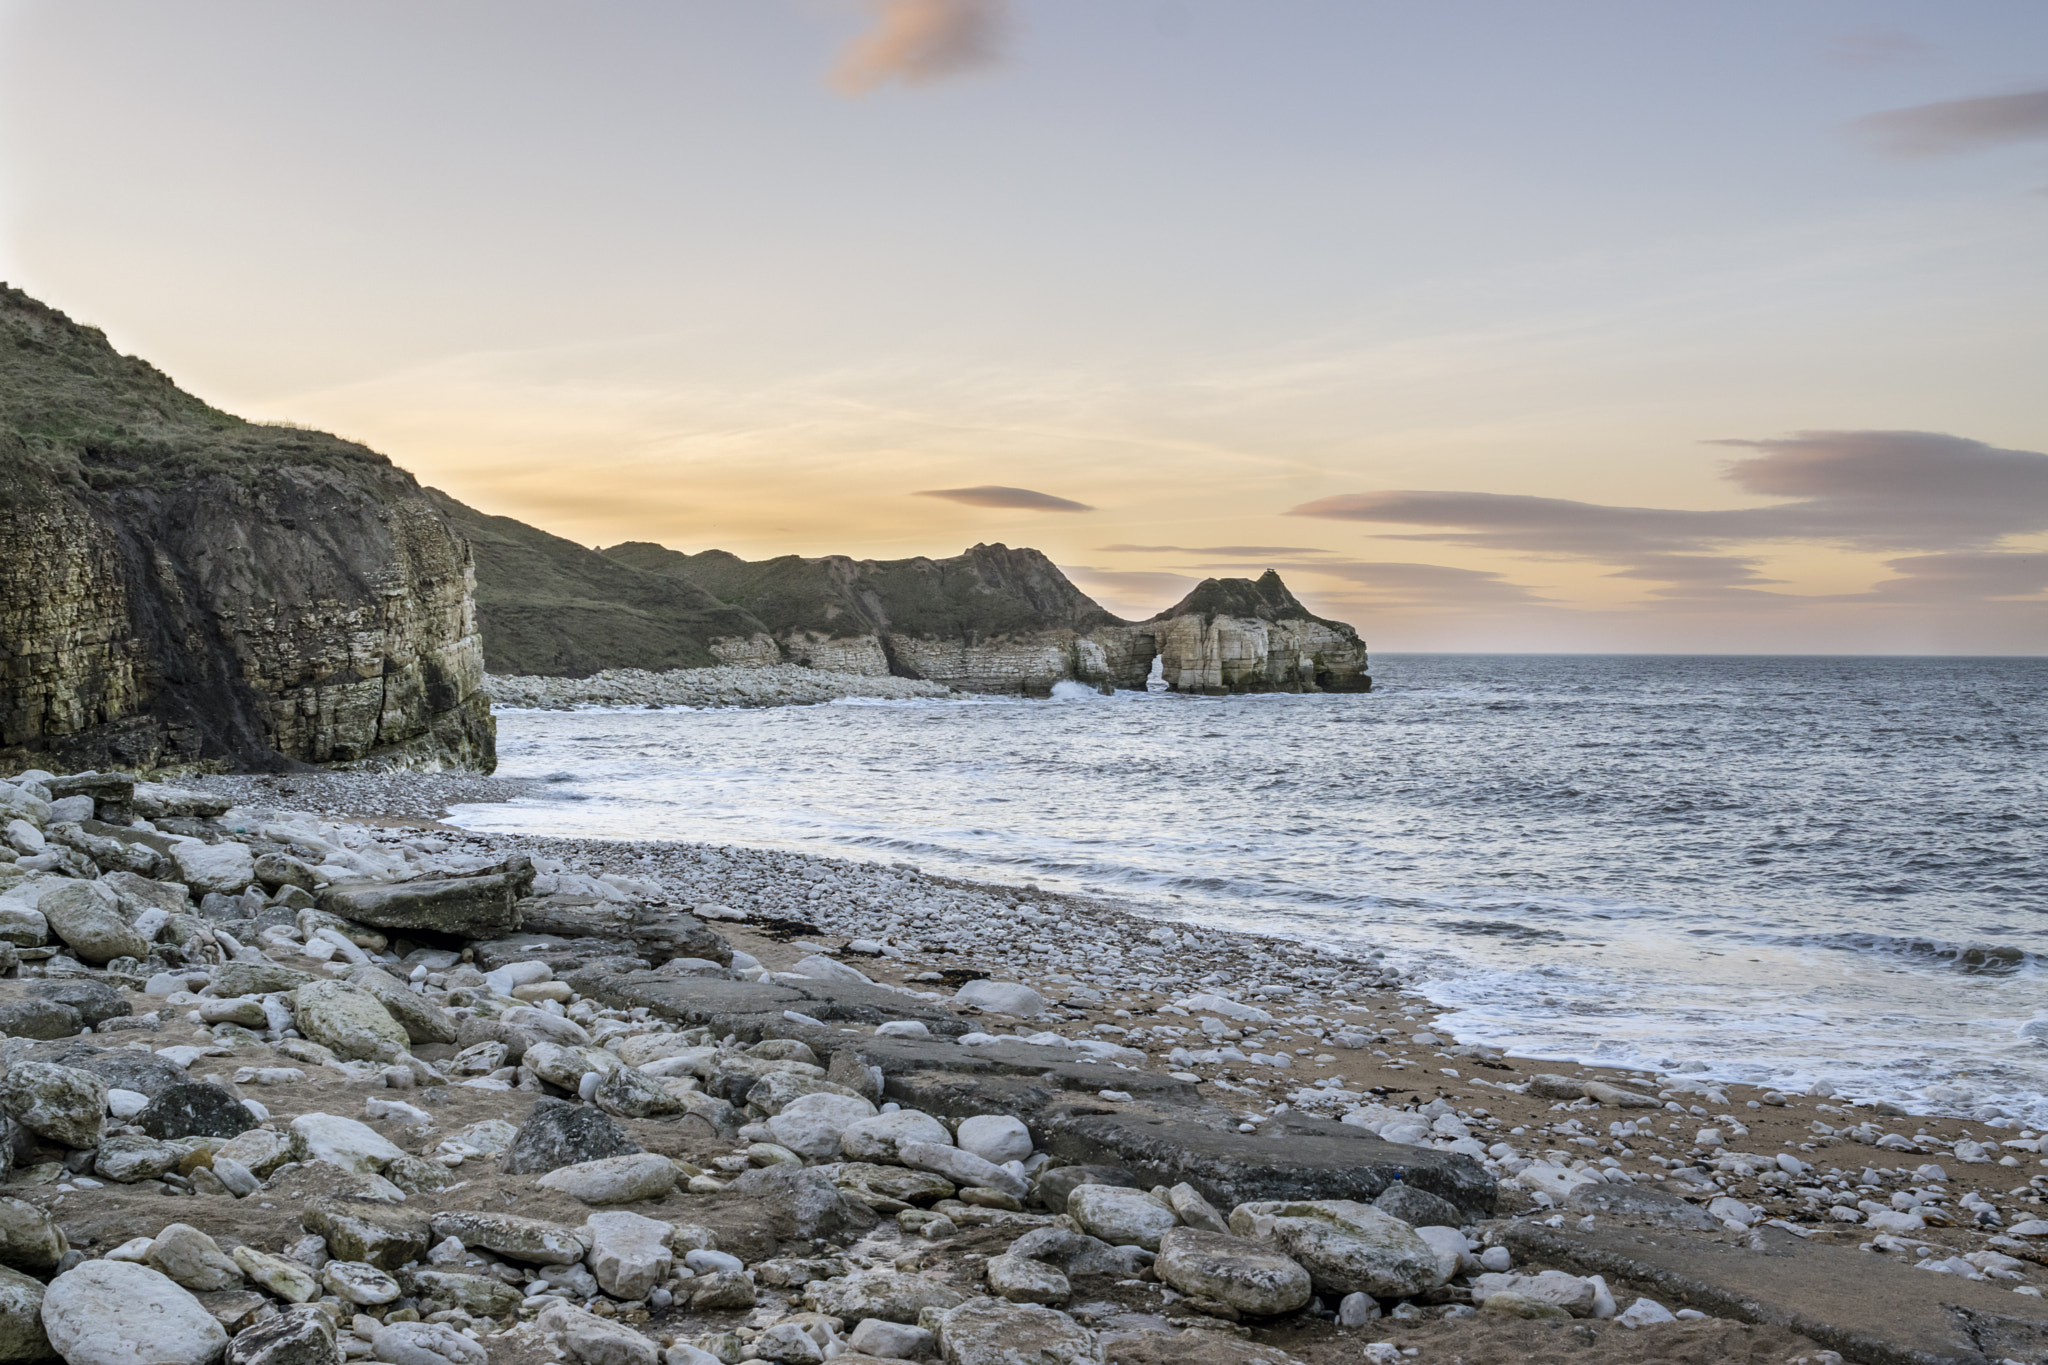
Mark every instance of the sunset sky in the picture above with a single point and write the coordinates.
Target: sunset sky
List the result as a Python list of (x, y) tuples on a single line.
[(1711, 326)]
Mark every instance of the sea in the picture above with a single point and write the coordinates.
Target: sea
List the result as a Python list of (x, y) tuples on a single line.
[(1766, 870)]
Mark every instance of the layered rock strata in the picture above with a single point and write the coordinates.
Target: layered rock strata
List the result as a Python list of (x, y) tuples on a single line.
[(181, 586)]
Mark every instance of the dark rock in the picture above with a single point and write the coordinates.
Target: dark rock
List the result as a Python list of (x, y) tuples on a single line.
[(562, 955), (27, 1016), (386, 1235), (302, 1334), (1867, 1307), (1420, 1208), (754, 1009), (1639, 1204), (113, 794), (558, 1134), (1290, 1157), (122, 1068), (422, 1020), (95, 1001), (275, 870), (656, 935), (483, 906), (1052, 1187), (194, 1109), (801, 1202), (30, 1239)]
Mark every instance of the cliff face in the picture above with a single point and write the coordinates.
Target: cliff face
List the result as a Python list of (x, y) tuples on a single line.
[(178, 585), (1239, 635)]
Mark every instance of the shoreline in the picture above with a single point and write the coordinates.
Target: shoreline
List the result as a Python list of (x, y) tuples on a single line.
[(724, 685), (780, 886)]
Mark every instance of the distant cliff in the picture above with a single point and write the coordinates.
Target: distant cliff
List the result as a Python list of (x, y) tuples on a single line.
[(178, 585), (992, 619)]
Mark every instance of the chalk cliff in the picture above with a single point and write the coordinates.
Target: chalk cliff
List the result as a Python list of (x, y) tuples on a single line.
[(1242, 635), (180, 586)]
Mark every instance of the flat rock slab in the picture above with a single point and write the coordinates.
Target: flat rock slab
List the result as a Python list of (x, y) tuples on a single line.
[(1871, 1308), (754, 1010), (1290, 1158)]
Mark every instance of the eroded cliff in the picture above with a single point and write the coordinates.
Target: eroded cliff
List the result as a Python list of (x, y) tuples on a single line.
[(180, 586), (1245, 635)]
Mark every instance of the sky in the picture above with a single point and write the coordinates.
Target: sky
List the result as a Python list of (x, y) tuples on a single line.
[(1572, 326)]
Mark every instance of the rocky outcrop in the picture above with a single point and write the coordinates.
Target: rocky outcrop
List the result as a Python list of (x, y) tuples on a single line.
[(1237, 635), (181, 586)]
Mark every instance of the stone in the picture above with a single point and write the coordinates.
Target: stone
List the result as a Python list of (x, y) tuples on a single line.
[(425, 1343), (34, 1018), (30, 1239), (1249, 1276), (480, 1296), (876, 1139), (127, 1158), (804, 1199), (558, 1134), (1001, 997), (226, 867), (789, 1344), (512, 1236), (1638, 1204), (887, 1340), (276, 870), (95, 1001), (64, 1104), (296, 1336), (87, 917), (1511, 1305), (629, 1254), (1020, 1279), (120, 1313), (962, 1168), (484, 906), (992, 1332), (995, 1138), (774, 1093), (810, 1125), (358, 1282), (614, 1179), (259, 1149), (1194, 1211), (342, 1142), (890, 1295), (21, 1318), (1346, 1247), (1645, 1313), (1052, 1186), (1121, 1217), (1417, 1208), (633, 1094), (258, 978), (721, 1291), (384, 1235), (1568, 1292), (280, 1277), (822, 968), (193, 1259), (422, 1020), (185, 1109), (348, 1020)]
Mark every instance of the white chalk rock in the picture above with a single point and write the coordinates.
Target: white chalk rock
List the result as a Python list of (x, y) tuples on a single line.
[(120, 1313)]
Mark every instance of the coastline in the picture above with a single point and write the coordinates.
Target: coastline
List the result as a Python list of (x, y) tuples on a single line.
[(722, 685), (1114, 973)]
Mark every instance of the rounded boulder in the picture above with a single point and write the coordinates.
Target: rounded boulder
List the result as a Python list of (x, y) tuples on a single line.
[(120, 1313)]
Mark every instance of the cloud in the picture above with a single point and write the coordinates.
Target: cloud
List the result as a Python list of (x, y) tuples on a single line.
[(995, 495), (1222, 551), (1955, 498), (920, 41), (1877, 47), (1950, 578), (1957, 125), (1396, 583)]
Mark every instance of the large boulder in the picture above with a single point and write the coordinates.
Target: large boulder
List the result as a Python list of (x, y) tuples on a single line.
[(614, 1179), (800, 1201), (121, 1313), (629, 1254), (29, 1238), (300, 1335), (422, 1020), (963, 1168), (1122, 1217), (877, 1138), (383, 1235), (193, 1259), (1247, 1275), (810, 1125), (88, 918), (346, 1143), (95, 1001), (483, 906), (1346, 1247), (891, 1295), (348, 1020), (61, 1103), (557, 1133), (226, 867), (21, 1318), (994, 1137), (194, 1109), (513, 1236), (992, 1332), (1001, 997)]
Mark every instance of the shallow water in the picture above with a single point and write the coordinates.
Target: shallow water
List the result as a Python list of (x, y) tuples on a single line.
[(1768, 868)]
